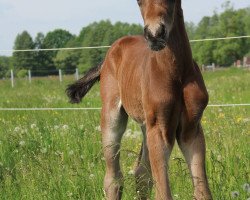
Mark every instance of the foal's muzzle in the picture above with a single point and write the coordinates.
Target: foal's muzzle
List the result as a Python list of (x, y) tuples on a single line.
[(158, 41)]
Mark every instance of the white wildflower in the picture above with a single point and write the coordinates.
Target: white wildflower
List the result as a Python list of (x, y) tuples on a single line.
[(44, 150), (56, 127), (246, 187), (17, 129), (33, 126), (246, 120), (128, 133), (69, 194), (22, 143), (131, 172), (219, 157), (91, 176), (58, 153), (235, 194), (71, 153), (65, 127), (98, 128)]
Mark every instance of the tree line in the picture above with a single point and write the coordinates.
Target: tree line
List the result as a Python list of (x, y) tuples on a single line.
[(231, 22)]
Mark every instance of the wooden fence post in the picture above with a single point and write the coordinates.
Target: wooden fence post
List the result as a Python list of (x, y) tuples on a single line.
[(29, 76), (60, 75), (12, 78), (77, 74)]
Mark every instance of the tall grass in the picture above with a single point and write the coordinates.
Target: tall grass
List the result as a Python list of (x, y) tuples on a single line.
[(58, 154)]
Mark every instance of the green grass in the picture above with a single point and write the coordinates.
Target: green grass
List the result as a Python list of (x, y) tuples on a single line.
[(57, 154)]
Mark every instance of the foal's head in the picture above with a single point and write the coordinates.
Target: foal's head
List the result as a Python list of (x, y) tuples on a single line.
[(158, 16)]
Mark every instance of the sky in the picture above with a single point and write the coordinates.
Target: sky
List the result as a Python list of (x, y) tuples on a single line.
[(46, 15)]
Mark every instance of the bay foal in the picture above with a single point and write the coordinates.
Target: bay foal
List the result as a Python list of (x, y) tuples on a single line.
[(161, 88)]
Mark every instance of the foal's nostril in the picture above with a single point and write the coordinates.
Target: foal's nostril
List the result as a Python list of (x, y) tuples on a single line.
[(147, 33), (161, 33)]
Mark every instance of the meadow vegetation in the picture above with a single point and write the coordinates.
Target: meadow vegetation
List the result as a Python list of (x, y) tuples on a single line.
[(58, 154)]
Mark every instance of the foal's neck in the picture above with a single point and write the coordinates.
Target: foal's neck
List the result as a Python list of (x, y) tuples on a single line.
[(178, 41)]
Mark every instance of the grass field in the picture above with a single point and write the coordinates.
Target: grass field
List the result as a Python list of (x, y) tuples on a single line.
[(57, 154)]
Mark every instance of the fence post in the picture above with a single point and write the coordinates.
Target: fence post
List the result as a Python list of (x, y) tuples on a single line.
[(60, 75), (12, 77), (77, 74), (29, 76), (203, 68)]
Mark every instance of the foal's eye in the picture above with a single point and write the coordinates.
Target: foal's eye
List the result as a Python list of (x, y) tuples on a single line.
[(139, 2)]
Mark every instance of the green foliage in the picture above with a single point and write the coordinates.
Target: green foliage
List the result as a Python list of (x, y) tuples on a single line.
[(101, 33), (41, 67), (23, 60), (5, 65), (22, 73), (229, 23), (68, 60), (55, 39)]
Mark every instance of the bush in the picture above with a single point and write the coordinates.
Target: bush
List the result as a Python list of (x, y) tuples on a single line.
[(22, 73)]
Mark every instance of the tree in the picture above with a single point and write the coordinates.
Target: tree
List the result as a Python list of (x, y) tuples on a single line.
[(101, 33), (23, 60), (5, 65), (203, 53), (40, 68), (55, 39), (191, 28), (68, 60), (229, 23)]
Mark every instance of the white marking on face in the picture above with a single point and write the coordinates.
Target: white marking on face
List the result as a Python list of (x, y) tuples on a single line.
[(153, 28)]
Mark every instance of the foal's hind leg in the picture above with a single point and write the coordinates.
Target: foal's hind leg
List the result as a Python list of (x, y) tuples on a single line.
[(143, 170), (114, 121)]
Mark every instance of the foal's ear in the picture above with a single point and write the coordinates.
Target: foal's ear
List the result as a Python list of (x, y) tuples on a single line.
[(178, 2), (139, 2)]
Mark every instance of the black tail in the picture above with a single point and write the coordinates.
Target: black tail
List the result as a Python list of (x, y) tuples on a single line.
[(80, 88)]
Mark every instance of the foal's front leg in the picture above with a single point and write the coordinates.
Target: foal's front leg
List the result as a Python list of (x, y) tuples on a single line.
[(114, 121), (161, 129)]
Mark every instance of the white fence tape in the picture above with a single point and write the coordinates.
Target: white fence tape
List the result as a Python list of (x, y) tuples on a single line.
[(61, 109), (101, 47)]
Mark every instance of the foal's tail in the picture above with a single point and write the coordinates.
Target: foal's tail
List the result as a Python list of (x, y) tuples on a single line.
[(80, 88)]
